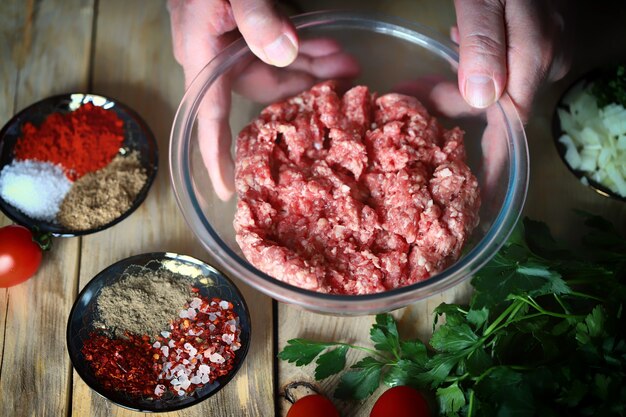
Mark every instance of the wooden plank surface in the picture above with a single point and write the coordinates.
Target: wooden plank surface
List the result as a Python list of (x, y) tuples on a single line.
[(42, 58), (133, 62)]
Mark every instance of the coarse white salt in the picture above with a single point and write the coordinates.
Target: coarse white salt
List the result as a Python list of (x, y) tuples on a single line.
[(159, 390), (191, 313), (165, 334), (228, 338), (181, 393), (204, 369), (185, 384), (35, 188), (196, 380), (165, 350), (216, 358), (212, 317), (205, 378), (195, 303), (156, 344), (183, 314)]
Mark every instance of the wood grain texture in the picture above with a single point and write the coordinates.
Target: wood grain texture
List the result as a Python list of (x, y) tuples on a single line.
[(35, 371), (133, 62)]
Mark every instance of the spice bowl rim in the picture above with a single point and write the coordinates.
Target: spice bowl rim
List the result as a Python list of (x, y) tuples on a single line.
[(586, 79), (190, 204), (57, 230), (143, 259)]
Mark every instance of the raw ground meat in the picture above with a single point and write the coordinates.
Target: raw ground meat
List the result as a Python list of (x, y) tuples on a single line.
[(352, 194)]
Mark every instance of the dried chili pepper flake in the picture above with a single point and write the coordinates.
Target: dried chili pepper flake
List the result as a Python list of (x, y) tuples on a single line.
[(122, 364)]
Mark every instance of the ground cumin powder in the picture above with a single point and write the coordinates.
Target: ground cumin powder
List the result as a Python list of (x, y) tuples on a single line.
[(143, 301), (100, 197)]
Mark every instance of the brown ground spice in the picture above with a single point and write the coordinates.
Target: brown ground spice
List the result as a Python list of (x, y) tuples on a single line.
[(102, 196), (142, 302)]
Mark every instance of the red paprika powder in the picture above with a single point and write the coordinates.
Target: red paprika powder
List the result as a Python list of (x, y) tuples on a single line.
[(81, 141)]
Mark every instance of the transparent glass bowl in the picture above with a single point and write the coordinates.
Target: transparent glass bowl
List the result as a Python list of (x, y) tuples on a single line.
[(392, 54)]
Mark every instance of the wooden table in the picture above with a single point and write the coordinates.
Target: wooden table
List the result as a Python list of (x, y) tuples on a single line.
[(122, 48)]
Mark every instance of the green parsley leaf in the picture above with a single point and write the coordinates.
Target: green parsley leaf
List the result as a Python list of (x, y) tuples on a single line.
[(331, 362), (452, 338), (504, 276), (302, 351), (451, 399), (478, 362), (415, 351), (439, 367), (452, 312), (361, 381), (477, 317), (404, 372), (541, 242), (384, 334)]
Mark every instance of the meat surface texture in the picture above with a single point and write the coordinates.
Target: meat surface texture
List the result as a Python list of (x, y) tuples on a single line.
[(354, 193)]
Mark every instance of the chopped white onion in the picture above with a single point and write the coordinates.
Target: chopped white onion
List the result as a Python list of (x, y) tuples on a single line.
[(595, 138)]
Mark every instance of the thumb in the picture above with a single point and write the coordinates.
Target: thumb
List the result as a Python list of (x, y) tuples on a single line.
[(270, 36), (483, 51)]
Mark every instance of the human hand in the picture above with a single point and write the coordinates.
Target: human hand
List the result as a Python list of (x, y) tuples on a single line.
[(201, 29), (509, 46)]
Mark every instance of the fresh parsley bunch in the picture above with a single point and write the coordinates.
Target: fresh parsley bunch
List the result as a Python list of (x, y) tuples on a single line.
[(543, 335)]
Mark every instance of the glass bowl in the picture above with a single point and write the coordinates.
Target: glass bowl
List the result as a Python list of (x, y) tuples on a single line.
[(209, 281), (393, 55), (137, 137)]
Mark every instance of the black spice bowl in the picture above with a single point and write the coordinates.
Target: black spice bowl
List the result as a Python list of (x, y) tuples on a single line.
[(209, 281), (137, 137), (557, 131)]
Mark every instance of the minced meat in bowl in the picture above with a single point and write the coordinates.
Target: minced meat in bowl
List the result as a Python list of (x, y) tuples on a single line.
[(407, 67)]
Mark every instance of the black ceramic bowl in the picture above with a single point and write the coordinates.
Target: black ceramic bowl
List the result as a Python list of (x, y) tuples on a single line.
[(210, 282), (557, 132), (137, 137)]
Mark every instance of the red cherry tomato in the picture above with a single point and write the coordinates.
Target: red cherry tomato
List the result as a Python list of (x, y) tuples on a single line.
[(20, 256), (400, 401), (313, 406)]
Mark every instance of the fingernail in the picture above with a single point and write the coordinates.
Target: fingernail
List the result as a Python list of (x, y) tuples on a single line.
[(480, 91), (281, 52)]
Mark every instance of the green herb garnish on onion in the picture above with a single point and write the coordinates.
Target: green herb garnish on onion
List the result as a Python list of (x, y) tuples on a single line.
[(611, 88), (544, 334)]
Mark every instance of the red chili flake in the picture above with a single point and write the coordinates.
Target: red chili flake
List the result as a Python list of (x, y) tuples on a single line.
[(122, 364), (199, 347)]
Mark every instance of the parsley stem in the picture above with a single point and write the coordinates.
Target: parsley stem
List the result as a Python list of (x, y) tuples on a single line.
[(470, 408), (542, 310), (589, 296), (364, 349), (510, 310), (561, 303)]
